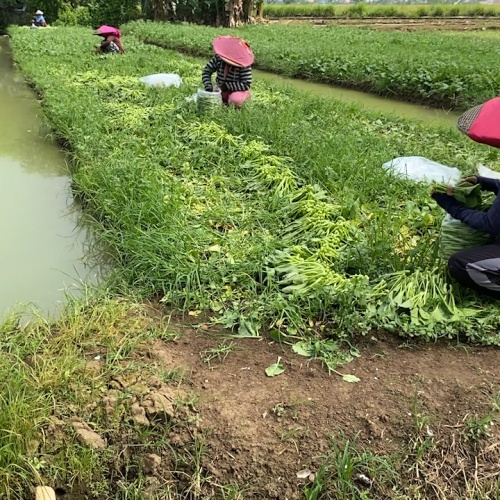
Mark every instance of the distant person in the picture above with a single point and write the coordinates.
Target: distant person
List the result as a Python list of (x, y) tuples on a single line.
[(38, 21), (111, 43), (232, 64)]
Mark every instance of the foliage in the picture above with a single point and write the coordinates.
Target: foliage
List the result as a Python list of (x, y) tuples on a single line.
[(453, 70), (378, 10), (284, 219)]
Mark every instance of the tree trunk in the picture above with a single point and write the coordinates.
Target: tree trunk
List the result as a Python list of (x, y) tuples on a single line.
[(238, 12)]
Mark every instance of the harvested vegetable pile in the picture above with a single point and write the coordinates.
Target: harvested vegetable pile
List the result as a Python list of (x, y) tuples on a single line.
[(265, 219)]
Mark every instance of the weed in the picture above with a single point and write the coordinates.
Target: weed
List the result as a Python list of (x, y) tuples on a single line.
[(218, 353)]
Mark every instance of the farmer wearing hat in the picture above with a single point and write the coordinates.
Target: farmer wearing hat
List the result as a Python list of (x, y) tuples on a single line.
[(38, 20), (232, 64), (479, 267), (111, 43)]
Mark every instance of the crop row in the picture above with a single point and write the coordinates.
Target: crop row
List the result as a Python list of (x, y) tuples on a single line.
[(279, 215), (363, 10), (443, 69)]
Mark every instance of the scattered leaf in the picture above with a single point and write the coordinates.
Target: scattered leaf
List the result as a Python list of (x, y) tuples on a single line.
[(275, 369)]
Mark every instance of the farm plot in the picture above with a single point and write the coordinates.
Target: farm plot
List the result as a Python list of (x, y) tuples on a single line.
[(278, 216), (452, 70)]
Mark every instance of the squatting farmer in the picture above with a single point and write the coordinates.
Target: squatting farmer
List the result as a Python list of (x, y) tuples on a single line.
[(232, 64), (38, 21), (478, 268), (111, 43)]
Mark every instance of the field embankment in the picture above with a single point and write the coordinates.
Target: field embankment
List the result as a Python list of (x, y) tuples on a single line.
[(451, 70)]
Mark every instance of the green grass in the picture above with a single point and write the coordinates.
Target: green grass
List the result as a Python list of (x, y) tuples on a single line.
[(452, 70), (281, 219), (374, 11)]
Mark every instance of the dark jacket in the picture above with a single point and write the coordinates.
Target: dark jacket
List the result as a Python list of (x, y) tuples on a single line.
[(488, 222)]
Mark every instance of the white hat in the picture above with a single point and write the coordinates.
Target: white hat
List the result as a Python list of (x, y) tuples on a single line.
[(38, 13)]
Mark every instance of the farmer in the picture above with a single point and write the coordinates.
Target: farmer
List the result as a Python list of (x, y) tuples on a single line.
[(232, 64), (38, 20), (477, 268), (111, 43)]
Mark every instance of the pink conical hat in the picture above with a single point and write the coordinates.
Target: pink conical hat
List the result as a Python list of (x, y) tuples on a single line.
[(233, 50), (107, 30), (482, 123)]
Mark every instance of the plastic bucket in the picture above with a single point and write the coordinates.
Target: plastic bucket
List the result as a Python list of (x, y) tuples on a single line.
[(208, 100)]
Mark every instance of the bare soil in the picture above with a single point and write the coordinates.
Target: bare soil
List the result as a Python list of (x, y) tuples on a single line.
[(261, 431)]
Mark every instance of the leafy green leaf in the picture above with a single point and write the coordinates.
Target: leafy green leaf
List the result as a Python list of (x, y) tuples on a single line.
[(303, 348), (350, 378), (275, 369)]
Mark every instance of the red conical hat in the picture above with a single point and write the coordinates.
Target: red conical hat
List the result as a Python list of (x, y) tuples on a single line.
[(233, 50), (482, 123), (107, 30)]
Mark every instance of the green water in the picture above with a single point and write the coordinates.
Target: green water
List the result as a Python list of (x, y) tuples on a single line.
[(41, 250), (370, 102)]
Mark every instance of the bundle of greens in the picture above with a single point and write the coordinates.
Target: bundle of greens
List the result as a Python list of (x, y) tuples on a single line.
[(456, 236), (465, 192)]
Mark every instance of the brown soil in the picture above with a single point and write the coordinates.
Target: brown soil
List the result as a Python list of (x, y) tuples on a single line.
[(261, 431), (429, 24)]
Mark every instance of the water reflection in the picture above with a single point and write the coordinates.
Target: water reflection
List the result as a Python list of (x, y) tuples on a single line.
[(42, 245)]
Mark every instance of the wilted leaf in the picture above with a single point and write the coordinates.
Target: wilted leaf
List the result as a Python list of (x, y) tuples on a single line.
[(350, 378), (303, 474)]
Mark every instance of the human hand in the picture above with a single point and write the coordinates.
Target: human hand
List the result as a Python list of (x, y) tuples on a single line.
[(472, 179)]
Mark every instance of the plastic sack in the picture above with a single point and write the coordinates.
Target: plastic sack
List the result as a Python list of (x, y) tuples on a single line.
[(487, 172), (162, 80), (420, 169), (456, 236)]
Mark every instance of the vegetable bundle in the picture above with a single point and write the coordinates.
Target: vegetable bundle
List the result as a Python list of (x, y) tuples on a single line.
[(465, 192)]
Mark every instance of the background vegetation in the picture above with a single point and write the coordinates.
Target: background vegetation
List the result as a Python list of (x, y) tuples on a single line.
[(452, 70), (362, 10)]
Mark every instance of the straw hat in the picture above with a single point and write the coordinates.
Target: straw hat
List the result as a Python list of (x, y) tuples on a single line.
[(38, 13), (234, 51)]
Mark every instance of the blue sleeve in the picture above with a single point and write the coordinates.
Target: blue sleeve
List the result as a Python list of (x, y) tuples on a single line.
[(487, 222), (488, 184)]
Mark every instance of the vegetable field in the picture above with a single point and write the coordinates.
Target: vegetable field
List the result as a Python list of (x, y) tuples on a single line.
[(279, 216), (452, 70), (363, 10)]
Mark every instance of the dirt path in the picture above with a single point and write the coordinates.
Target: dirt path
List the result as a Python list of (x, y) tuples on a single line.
[(261, 431)]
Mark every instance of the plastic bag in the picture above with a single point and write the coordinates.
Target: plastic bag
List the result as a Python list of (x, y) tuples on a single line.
[(487, 172), (162, 80), (420, 169), (456, 236)]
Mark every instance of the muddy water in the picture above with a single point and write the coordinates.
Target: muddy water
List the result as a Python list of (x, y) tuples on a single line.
[(370, 102), (41, 248)]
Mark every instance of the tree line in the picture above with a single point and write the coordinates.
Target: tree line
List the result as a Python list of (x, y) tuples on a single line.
[(116, 12)]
